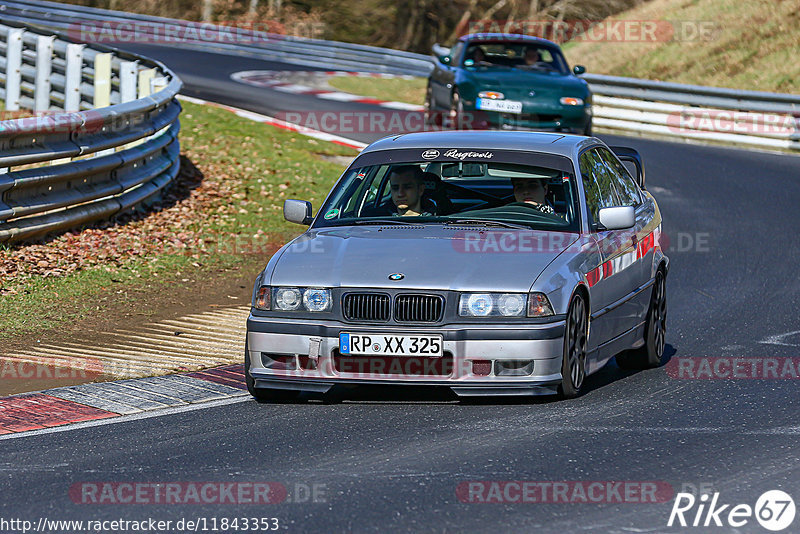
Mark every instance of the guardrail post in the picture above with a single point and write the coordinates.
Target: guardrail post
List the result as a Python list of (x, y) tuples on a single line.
[(102, 80), (144, 89), (102, 88), (74, 74), (127, 81), (13, 68), (145, 77), (44, 66)]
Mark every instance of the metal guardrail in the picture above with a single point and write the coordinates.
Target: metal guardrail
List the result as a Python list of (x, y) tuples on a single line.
[(621, 105), (300, 51), (693, 112), (98, 133)]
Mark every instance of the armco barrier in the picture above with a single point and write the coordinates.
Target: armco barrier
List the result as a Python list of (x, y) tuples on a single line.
[(97, 134), (621, 105)]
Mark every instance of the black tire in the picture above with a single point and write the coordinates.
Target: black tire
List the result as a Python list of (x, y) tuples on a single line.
[(649, 355), (430, 117), (573, 363), (456, 112), (588, 130), (264, 394)]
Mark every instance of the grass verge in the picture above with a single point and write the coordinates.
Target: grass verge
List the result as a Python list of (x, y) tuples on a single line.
[(724, 43), (224, 212), (410, 90)]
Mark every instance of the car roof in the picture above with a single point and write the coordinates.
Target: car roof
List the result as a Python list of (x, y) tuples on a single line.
[(490, 36), (551, 143)]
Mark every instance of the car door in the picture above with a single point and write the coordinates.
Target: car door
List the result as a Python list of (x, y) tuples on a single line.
[(641, 236), (609, 282)]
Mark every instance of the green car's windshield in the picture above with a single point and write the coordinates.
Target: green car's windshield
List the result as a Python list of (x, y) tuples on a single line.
[(424, 192), (516, 55)]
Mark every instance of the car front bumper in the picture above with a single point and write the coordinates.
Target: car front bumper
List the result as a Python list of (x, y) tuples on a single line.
[(519, 359), (567, 119)]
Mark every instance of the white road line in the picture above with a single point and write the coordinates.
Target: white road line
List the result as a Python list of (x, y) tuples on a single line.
[(402, 105), (244, 397), (293, 88), (340, 97)]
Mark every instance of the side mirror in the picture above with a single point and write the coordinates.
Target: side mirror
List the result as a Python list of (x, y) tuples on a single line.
[(617, 218), (297, 211), (578, 70), (630, 155)]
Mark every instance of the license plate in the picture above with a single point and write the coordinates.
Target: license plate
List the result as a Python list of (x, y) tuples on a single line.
[(390, 344), (506, 106)]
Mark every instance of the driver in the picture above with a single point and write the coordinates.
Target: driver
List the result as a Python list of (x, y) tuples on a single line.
[(407, 186), (532, 56), (533, 192)]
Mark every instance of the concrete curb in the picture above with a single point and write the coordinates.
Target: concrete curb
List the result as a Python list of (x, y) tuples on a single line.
[(89, 402)]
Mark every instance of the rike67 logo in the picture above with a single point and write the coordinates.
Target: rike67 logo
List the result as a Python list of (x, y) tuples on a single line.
[(774, 510)]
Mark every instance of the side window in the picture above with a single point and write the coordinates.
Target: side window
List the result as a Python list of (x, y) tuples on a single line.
[(598, 184), (626, 186)]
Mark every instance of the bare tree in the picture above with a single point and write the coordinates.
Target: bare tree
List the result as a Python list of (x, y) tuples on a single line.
[(208, 10)]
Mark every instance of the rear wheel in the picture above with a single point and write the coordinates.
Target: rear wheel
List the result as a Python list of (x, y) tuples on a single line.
[(587, 131), (655, 329), (573, 365), (456, 111), (264, 394), (429, 115)]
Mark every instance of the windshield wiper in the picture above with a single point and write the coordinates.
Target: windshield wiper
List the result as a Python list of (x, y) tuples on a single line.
[(488, 222), (386, 221)]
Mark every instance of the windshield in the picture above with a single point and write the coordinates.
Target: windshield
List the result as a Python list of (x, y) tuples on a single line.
[(515, 54), (451, 192)]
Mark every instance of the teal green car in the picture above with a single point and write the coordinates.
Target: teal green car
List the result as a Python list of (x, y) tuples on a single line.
[(509, 82)]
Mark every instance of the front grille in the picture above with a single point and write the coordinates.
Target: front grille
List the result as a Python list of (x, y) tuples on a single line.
[(418, 308), (366, 307)]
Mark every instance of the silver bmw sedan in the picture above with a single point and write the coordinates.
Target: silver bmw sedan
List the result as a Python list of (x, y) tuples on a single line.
[(492, 263)]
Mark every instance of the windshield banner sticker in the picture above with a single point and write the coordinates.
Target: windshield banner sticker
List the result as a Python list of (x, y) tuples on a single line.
[(455, 154)]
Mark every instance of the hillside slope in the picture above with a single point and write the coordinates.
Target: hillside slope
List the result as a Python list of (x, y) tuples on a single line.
[(752, 44)]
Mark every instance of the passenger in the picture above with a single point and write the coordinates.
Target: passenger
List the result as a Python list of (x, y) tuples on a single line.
[(477, 55), (407, 186), (533, 192)]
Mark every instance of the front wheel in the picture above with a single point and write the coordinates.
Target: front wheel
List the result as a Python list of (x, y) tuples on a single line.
[(264, 394), (655, 329), (456, 111), (573, 364)]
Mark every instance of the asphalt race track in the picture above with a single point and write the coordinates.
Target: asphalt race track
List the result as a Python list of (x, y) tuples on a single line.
[(394, 460)]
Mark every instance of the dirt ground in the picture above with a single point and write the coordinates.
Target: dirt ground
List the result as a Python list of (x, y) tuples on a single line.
[(168, 299)]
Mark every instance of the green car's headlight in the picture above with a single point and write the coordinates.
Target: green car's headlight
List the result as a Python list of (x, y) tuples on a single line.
[(571, 101)]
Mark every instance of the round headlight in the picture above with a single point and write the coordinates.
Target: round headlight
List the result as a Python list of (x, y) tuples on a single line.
[(316, 300), (287, 298), (480, 304), (511, 305)]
